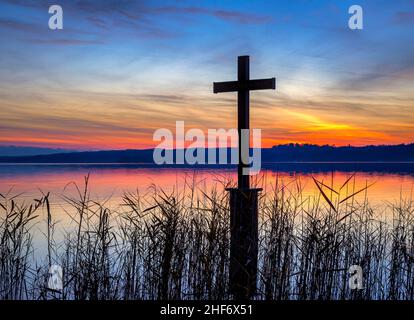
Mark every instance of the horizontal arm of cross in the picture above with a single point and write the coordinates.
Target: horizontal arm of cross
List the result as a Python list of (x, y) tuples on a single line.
[(257, 84)]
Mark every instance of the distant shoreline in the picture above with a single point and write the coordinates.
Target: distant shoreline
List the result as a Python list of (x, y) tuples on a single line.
[(196, 165), (400, 168), (291, 153)]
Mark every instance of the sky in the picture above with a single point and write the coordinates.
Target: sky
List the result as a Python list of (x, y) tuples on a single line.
[(119, 70)]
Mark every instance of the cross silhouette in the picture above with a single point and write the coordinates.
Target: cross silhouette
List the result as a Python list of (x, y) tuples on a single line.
[(243, 200), (243, 86)]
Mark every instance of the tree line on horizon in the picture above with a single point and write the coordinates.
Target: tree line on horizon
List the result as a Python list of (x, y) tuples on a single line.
[(280, 153)]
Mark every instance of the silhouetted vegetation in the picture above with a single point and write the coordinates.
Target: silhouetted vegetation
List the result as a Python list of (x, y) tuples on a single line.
[(176, 245), (281, 153)]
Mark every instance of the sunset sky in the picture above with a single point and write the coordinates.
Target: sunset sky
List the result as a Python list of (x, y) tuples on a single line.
[(119, 70)]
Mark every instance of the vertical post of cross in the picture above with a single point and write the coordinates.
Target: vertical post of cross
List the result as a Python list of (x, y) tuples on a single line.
[(243, 75)]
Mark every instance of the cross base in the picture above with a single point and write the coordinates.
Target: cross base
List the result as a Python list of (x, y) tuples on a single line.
[(244, 242)]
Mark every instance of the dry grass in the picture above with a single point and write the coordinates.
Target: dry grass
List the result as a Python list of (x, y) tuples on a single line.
[(176, 246)]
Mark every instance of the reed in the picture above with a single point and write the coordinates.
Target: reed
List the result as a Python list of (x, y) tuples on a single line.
[(175, 245), (16, 220)]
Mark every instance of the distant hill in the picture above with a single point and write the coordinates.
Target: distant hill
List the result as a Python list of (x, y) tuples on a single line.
[(280, 153), (20, 151), (110, 156), (308, 152)]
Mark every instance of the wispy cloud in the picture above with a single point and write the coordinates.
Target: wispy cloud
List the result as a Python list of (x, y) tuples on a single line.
[(404, 17), (60, 41), (121, 69), (14, 25), (226, 15)]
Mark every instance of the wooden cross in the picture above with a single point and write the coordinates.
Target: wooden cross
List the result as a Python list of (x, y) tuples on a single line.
[(243, 86), (243, 200)]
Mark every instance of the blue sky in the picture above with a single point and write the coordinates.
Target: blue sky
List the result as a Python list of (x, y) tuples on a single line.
[(121, 69)]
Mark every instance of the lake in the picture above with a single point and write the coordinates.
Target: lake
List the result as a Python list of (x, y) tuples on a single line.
[(389, 180), (108, 182), (388, 183)]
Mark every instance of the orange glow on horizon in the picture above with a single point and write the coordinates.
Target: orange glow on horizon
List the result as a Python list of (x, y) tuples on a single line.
[(122, 121), (120, 143)]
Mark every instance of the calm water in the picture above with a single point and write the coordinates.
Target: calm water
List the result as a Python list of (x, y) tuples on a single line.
[(109, 182), (390, 181)]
